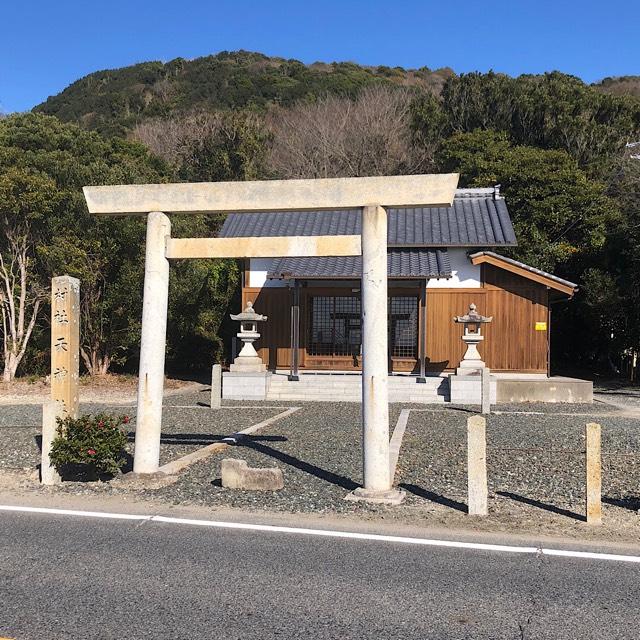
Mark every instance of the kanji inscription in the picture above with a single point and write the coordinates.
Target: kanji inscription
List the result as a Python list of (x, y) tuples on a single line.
[(65, 344)]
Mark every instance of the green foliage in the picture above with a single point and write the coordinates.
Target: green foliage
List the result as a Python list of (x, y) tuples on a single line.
[(105, 254), (200, 292), (551, 111), (233, 151), (96, 441), (560, 215), (113, 101)]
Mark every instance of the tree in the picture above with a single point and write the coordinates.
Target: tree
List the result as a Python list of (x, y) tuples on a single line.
[(551, 111), (208, 146), (564, 222), (204, 147), (26, 199), (106, 255), (337, 137), (560, 215)]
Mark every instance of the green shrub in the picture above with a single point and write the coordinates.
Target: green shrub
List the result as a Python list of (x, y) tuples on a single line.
[(96, 441)]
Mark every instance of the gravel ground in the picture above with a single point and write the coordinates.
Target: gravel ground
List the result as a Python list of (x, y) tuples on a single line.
[(529, 459), (623, 396), (184, 429), (535, 457)]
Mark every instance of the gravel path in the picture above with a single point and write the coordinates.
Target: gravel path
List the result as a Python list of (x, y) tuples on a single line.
[(183, 429), (532, 458), (535, 456)]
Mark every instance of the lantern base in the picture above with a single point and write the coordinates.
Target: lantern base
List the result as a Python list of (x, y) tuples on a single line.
[(248, 364)]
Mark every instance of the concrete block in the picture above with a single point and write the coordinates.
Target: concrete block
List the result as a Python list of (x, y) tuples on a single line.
[(554, 389), (236, 474), (245, 386), (468, 389)]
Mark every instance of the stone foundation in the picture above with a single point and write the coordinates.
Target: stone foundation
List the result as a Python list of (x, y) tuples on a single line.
[(467, 389), (241, 385)]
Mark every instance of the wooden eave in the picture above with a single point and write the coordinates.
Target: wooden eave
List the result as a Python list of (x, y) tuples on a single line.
[(563, 286)]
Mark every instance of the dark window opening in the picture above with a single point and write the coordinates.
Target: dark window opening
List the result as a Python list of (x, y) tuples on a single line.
[(335, 327)]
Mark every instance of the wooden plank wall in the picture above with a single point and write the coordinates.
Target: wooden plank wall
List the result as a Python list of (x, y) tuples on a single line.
[(444, 344), (516, 305), (511, 341), (274, 345)]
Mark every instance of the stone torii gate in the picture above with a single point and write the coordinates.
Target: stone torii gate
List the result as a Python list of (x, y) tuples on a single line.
[(373, 195)]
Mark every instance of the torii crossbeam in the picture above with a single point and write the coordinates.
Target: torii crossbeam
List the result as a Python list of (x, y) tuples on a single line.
[(372, 195)]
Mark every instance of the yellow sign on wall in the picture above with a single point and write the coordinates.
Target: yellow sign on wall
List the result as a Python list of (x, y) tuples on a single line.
[(541, 326)]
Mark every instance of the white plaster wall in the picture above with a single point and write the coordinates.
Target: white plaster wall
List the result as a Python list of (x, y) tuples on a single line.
[(464, 274), (258, 268)]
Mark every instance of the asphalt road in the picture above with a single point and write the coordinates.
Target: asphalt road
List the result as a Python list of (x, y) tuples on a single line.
[(70, 577)]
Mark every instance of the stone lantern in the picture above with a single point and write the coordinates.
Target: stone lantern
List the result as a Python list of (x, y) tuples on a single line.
[(248, 359), (472, 337)]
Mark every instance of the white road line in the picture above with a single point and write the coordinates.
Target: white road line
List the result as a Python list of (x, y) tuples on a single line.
[(452, 544), (202, 406), (73, 512)]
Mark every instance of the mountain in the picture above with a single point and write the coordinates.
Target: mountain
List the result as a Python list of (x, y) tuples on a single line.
[(112, 101), (621, 85)]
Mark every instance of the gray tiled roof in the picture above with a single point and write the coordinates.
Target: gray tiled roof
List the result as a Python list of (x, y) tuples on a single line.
[(522, 265), (477, 218), (401, 263)]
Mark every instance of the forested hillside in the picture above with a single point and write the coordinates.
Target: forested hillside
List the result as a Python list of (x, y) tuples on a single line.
[(113, 101), (563, 151), (622, 85)]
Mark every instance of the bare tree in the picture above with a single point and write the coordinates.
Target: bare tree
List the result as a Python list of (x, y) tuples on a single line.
[(220, 145), (24, 200), (336, 137), (171, 138)]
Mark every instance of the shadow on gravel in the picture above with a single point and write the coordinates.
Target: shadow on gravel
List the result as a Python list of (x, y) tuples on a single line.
[(629, 502), (542, 505), (460, 409), (251, 442), (434, 497), (203, 439)]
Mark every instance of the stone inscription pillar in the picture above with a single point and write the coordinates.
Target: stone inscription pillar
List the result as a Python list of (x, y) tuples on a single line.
[(65, 344), (152, 345), (65, 366)]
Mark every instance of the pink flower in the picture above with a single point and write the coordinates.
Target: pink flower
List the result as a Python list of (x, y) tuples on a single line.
[(91, 452), (101, 424), (126, 420)]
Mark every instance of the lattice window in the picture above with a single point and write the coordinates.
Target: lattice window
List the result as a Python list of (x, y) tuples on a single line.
[(335, 326), (403, 326)]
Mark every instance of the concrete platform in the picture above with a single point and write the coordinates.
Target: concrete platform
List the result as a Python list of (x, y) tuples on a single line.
[(554, 389), (403, 388)]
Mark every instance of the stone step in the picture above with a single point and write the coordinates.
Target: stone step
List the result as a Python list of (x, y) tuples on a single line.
[(317, 384), (285, 397)]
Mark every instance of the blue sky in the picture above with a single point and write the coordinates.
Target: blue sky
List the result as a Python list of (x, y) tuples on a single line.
[(47, 44)]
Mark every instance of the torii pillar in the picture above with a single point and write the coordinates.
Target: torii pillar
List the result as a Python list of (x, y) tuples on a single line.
[(371, 195), (375, 393)]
